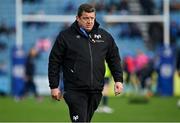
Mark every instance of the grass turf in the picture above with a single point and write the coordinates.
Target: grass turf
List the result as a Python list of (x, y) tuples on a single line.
[(159, 109)]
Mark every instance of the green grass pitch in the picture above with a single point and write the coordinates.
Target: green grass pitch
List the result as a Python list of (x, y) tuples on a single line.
[(158, 109)]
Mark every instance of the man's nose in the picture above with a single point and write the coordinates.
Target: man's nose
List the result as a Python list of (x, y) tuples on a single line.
[(89, 20)]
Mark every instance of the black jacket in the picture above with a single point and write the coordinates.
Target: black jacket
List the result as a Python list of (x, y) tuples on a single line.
[(83, 58)]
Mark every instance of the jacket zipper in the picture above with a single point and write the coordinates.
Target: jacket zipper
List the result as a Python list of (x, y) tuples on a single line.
[(90, 51)]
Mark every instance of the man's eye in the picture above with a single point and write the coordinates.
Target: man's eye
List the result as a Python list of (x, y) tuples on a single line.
[(85, 18)]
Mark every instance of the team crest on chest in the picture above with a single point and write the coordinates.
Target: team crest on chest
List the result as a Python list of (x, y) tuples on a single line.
[(97, 36), (78, 36)]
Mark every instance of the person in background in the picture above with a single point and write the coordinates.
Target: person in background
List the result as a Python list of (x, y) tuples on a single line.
[(104, 108), (30, 85), (141, 61), (81, 51), (178, 69)]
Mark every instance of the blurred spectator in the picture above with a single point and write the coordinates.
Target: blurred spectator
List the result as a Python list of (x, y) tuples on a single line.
[(4, 29), (98, 4), (104, 108), (111, 7), (178, 60), (3, 62), (148, 6), (135, 31), (174, 31), (69, 8), (3, 68), (3, 46), (130, 30), (125, 32), (174, 5), (43, 44), (145, 75), (123, 7), (65, 26), (141, 62), (129, 67), (30, 86), (2, 93), (32, 1), (36, 24), (155, 31)]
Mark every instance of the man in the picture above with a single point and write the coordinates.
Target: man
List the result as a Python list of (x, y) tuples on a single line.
[(81, 50), (29, 74), (104, 108)]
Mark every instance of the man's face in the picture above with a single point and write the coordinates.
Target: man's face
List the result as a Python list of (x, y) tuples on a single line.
[(86, 20)]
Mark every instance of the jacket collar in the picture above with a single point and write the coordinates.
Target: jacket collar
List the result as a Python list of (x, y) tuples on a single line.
[(77, 28)]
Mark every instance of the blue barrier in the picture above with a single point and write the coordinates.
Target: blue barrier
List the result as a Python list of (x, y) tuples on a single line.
[(18, 71), (166, 71)]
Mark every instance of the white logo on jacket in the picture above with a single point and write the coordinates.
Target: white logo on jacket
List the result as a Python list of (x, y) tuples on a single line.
[(78, 36), (97, 36), (75, 117)]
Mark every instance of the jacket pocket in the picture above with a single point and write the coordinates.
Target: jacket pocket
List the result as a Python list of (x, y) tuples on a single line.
[(82, 72), (69, 74)]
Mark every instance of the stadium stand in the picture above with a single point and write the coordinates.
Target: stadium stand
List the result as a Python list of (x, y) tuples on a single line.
[(33, 31)]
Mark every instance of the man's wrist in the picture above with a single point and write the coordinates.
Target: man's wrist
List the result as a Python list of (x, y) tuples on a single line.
[(119, 82), (53, 87)]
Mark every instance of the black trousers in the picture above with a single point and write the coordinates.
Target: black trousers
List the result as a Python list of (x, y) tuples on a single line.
[(82, 105)]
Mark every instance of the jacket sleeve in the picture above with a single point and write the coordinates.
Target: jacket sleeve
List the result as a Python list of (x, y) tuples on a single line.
[(114, 61), (55, 61)]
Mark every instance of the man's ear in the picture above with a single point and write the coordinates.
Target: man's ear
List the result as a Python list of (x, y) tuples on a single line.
[(77, 18)]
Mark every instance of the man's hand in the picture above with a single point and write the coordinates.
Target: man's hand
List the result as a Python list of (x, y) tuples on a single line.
[(118, 88), (56, 94)]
